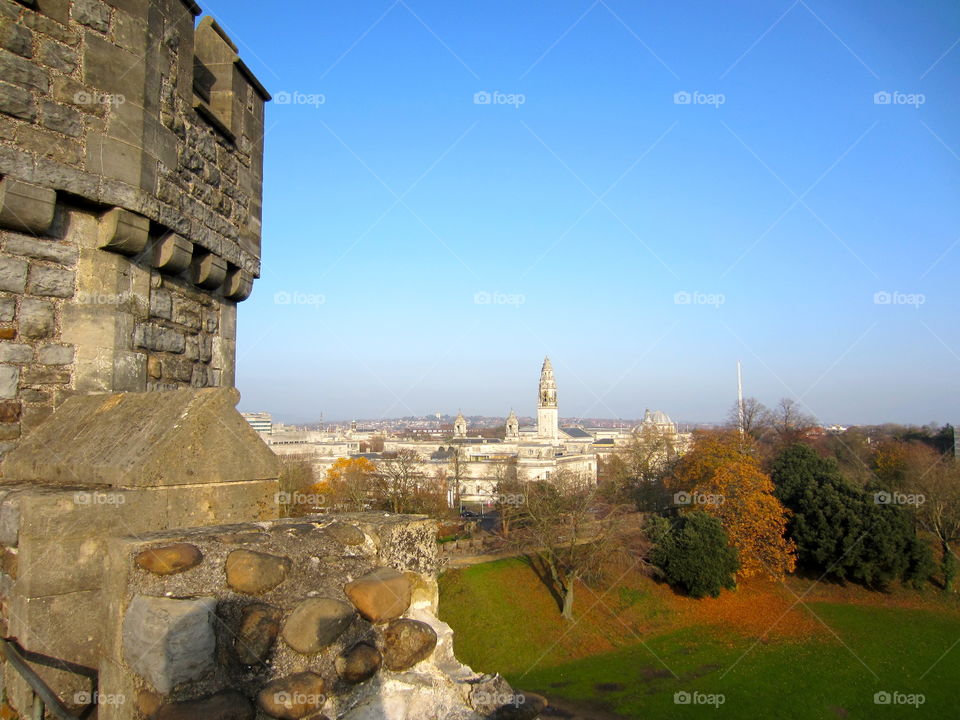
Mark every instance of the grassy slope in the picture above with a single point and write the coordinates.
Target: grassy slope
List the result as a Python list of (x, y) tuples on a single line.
[(624, 650)]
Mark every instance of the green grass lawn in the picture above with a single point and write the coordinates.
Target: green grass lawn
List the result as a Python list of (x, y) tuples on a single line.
[(504, 623)]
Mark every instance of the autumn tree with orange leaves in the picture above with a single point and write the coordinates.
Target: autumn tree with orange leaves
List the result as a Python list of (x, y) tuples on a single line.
[(349, 482), (721, 475)]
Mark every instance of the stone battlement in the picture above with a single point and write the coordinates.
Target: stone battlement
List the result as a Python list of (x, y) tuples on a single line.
[(131, 166)]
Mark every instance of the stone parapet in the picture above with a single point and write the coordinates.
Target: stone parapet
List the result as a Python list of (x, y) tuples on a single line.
[(331, 615)]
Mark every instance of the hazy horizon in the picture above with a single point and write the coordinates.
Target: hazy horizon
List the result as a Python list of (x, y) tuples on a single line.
[(645, 193)]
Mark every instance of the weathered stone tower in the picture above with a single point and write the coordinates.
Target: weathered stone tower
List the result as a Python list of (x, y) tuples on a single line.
[(144, 571), (131, 147)]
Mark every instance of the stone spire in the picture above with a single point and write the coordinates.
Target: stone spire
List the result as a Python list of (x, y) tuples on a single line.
[(513, 426), (460, 426), (548, 385)]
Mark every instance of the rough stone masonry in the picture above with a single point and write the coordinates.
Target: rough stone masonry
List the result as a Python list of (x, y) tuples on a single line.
[(131, 148)]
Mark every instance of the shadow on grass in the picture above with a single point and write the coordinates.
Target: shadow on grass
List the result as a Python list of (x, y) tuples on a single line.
[(542, 572)]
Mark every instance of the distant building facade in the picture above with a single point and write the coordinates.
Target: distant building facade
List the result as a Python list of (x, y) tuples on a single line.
[(262, 422), (473, 465)]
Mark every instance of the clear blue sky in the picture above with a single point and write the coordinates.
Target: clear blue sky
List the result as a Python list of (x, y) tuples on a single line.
[(597, 200)]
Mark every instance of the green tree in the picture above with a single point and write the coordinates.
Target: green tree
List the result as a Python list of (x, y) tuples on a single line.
[(695, 556), (841, 531)]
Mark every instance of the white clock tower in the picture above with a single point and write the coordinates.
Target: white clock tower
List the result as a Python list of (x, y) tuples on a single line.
[(548, 416)]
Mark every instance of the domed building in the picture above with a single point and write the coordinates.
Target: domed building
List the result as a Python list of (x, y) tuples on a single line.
[(656, 419)]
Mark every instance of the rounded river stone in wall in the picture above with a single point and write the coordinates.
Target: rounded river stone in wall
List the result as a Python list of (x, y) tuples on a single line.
[(407, 642), (380, 595), (170, 559), (345, 533), (259, 627), (315, 623), (358, 663), (293, 697), (255, 573)]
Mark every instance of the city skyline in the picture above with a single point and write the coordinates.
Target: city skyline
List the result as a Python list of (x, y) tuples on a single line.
[(646, 194)]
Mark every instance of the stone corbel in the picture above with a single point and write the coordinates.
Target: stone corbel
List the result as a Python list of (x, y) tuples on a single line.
[(26, 207), (123, 232), (238, 285), (208, 271), (172, 254)]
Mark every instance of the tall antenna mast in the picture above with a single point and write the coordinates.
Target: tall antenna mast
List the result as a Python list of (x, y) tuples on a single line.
[(740, 397)]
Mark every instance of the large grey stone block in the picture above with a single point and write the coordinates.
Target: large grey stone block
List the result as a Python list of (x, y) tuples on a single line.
[(9, 379), (159, 338), (42, 249), (56, 354), (20, 71), (167, 641), (61, 57), (15, 353), (51, 281), (26, 207), (61, 118), (13, 274), (36, 318), (16, 38), (17, 102), (8, 309)]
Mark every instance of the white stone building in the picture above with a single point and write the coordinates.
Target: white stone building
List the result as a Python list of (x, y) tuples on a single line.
[(537, 453)]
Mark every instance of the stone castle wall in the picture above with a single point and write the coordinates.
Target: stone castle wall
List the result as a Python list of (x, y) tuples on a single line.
[(131, 148), (308, 618), (131, 144)]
